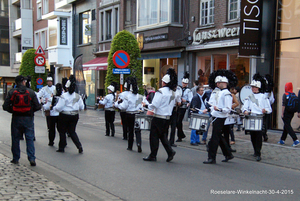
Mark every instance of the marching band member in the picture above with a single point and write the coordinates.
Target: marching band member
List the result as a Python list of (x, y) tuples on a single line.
[(186, 99), (53, 114), (132, 103), (123, 112), (69, 105), (173, 118), (108, 101), (257, 103), (162, 106), (221, 101), (269, 94), (44, 94)]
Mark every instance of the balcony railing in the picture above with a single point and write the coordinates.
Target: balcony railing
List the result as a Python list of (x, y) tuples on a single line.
[(18, 57), (18, 24)]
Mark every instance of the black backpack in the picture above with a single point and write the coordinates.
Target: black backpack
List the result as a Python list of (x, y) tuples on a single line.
[(292, 103)]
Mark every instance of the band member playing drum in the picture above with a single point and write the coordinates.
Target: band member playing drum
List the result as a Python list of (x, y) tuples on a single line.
[(123, 112), (186, 99), (162, 106), (257, 104), (132, 103), (108, 102), (221, 101)]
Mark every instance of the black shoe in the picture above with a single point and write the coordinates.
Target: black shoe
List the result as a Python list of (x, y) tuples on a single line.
[(32, 163), (258, 158), (124, 138), (227, 158), (210, 161), (60, 150), (107, 135), (34, 139), (179, 140), (170, 157), (51, 144), (173, 145), (238, 129), (266, 139), (149, 158), (80, 150), (199, 143), (232, 150), (14, 162), (194, 144), (129, 149), (139, 148)]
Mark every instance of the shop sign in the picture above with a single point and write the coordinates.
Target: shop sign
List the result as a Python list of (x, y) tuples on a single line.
[(63, 31), (150, 39), (250, 37), (200, 36)]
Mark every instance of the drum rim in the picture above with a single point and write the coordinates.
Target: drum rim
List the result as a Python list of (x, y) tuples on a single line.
[(241, 100)]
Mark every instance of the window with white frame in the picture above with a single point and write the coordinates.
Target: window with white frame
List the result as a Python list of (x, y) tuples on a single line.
[(109, 23), (207, 12), (45, 6), (157, 12), (85, 29), (234, 10), (39, 11)]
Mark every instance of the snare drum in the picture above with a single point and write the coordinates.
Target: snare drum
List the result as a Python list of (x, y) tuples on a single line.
[(199, 122), (253, 122), (143, 121)]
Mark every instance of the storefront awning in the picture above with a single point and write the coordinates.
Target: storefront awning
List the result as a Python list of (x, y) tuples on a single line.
[(99, 63), (158, 55)]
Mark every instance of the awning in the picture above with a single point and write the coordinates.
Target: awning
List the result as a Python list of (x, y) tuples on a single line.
[(99, 63), (160, 55)]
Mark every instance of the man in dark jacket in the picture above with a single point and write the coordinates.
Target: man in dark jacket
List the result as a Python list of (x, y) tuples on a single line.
[(22, 103), (197, 102)]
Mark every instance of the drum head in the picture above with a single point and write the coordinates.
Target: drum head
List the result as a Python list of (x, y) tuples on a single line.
[(245, 92)]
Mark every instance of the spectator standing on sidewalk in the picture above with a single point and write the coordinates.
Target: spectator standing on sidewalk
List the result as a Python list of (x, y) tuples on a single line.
[(287, 114), (22, 102)]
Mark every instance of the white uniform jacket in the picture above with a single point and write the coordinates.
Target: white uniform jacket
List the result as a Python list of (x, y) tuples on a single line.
[(132, 103), (255, 103), (223, 100), (46, 92), (69, 103), (163, 102), (108, 101)]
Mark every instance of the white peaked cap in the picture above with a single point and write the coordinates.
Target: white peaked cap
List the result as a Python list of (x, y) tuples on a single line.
[(185, 80), (166, 79), (112, 88), (125, 85), (255, 83), (221, 79), (68, 84), (49, 79)]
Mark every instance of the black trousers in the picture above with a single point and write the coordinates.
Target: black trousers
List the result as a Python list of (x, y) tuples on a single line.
[(124, 124), (173, 122), (53, 120), (217, 139), (266, 124), (287, 128), (48, 122), (67, 123), (256, 139), (130, 120), (226, 131), (180, 116), (158, 131), (109, 122)]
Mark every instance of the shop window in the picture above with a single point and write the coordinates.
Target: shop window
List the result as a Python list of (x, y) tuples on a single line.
[(240, 66), (234, 10), (156, 12), (109, 23), (207, 12), (220, 61), (85, 27), (203, 70)]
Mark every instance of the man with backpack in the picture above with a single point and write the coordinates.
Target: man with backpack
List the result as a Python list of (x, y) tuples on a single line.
[(22, 103), (289, 107)]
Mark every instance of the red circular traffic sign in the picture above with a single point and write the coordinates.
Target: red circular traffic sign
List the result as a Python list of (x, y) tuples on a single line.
[(121, 59), (39, 81), (39, 60)]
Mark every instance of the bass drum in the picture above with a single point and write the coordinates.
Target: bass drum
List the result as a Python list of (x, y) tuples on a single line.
[(245, 92)]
